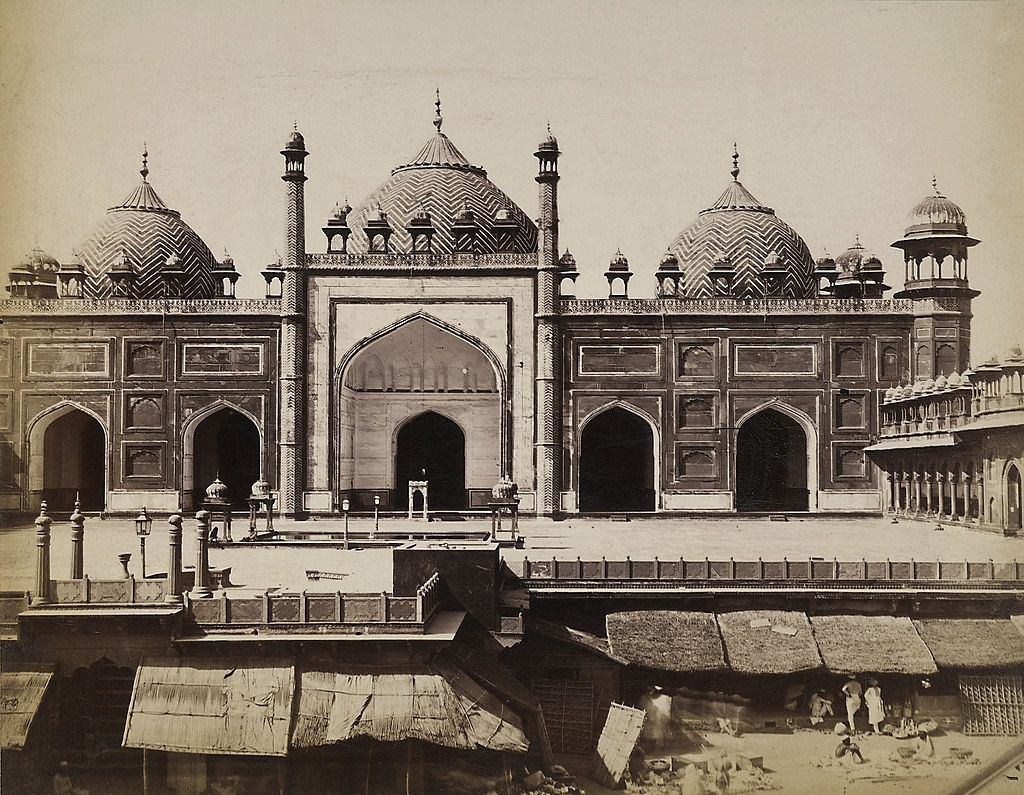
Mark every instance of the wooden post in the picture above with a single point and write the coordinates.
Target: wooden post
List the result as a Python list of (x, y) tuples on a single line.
[(42, 591), (173, 595), (201, 587), (77, 541)]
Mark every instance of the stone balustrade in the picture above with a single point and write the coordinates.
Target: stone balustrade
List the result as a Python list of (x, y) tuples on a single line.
[(736, 306), (15, 307), (420, 261)]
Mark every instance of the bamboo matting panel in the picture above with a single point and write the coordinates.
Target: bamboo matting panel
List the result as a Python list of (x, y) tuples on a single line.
[(992, 704), (617, 741), (568, 708)]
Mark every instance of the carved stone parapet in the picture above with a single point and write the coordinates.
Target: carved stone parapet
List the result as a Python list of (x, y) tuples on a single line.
[(421, 261), (139, 306), (735, 306)]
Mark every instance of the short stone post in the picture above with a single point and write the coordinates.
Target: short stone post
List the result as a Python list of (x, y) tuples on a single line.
[(201, 589), (77, 541), (42, 591), (173, 595)]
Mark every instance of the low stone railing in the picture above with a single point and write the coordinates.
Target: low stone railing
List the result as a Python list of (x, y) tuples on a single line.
[(305, 608), (785, 570), (736, 306), (122, 591)]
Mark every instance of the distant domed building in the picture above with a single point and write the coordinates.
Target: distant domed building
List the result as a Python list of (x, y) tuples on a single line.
[(436, 336)]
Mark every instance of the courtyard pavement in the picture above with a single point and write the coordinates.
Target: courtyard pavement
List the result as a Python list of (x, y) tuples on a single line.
[(284, 567)]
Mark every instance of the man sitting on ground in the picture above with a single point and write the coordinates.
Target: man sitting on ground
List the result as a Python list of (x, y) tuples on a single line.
[(849, 747)]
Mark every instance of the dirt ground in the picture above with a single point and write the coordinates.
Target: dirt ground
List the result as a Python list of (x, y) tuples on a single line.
[(802, 763)]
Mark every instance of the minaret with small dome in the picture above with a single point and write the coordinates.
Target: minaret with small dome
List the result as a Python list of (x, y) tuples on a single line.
[(935, 245)]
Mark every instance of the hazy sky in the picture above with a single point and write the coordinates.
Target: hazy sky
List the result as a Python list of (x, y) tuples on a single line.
[(842, 112)]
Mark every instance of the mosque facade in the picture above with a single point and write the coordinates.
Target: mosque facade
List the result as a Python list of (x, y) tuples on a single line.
[(433, 334)]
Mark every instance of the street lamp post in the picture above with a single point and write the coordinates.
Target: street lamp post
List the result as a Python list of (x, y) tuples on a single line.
[(376, 515), (143, 526), (344, 508)]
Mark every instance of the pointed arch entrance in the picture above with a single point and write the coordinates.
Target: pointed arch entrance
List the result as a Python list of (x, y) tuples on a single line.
[(424, 380), (223, 443), (617, 463), (1013, 498), (68, 459), (775, 468), (431, 447)]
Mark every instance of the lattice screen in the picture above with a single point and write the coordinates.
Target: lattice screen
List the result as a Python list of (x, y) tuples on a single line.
[(568, 713), (992, 704)]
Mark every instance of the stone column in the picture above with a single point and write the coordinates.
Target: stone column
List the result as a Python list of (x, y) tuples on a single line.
[(173, 595), (77, 542), (941, 488), (917, 492), (952, 496), (890, 489), (927, 493), (201, 588), (41, 595), (968, 488)]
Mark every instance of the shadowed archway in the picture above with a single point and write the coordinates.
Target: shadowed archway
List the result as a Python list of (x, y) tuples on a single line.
[(74, 462), (431, 447), (225, 444), (771, 464), (617, 463), (1013, 498)]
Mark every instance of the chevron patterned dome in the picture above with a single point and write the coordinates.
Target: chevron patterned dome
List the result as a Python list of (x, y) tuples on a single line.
[(738, 227), (144, 233), (440, 182)]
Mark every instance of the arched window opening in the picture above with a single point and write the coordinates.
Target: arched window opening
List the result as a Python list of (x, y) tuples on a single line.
[(431, 447), (890, 364), (226, 444), (74, 462)]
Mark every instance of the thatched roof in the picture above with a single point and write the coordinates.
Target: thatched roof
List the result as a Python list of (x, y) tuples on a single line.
[(973, 642), (440, 705), (768, 642), (21, 692), (560, 633), (212, 706), (667, 640), (880, 644)]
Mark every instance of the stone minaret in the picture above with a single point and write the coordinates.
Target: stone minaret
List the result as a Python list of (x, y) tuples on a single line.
[(935, 246), (292, 370), (548, 403)]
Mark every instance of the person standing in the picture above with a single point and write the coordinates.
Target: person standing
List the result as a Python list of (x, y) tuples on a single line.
[(853, 690), (876, 709)]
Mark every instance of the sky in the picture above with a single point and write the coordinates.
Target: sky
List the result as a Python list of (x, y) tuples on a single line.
[(842, 112)]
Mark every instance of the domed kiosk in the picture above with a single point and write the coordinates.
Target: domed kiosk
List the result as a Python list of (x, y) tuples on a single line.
[(725, 250)]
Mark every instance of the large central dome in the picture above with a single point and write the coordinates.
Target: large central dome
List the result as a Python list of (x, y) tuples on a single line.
[(439, 183), (739, 229)]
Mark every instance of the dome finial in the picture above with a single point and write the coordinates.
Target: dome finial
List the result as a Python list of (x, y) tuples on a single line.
[(145, 162), (438, 118), (735, 162), (935, 185)]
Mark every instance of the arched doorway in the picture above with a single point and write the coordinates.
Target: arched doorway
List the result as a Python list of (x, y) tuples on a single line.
[(225, 444), (431, 447), (1013, 498), (74, 462), (617, 463), (771, 464)]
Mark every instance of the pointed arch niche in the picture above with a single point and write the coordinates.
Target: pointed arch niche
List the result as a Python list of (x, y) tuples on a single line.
[(775, 460), (68, 451), (413, 367)]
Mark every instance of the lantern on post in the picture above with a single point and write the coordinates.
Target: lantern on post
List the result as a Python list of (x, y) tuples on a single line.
[(376, 515), (345, 505), (143, 527)]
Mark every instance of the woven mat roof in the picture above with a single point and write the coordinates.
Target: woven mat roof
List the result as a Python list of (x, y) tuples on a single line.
[(769, 642), (851, 644), (973, 642), (667, 640), (22, 689), (212, 706)]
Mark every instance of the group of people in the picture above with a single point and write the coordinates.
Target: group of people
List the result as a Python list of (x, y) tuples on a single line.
[(856, 696)]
